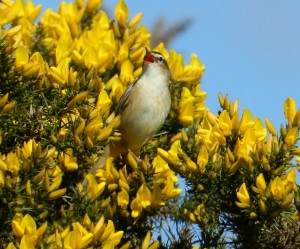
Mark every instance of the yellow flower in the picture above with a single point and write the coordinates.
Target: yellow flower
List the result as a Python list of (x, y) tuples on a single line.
[(136, 208), (260, 130), (161, 167), (190, 215), (94, 190), (21, 57), (30, 11), (172, 155), (296, 121), (191, 165), (218, 135), (37, 61), (200, 210), (277, 188), (144, 196), (69, 161), (291, 176), (290, 109), (1, 178), (3, 100), (126, 76), (176, 65), (9, 107), (169, 191), (113, 240), (194, 71), (136, 19), (271, 127), (199, 102), (123, 183), (291, 137), (13, 163), (121, 12), (173, 152), (137, 57), (26, 226), (157, 197), (109, 238), (143, 200), (109, 174), (9, 10), (146, 242), (123, 53), (246, 121), (72, 16), (90, 58), (202, 159), (247, 144), (27, 243), (93, 5), (243, 197), (289, 180), (116, 87), (97, 58), (62, 50), (225, 123), (27, 149), (260, 183), (205, 133), (78, 98), (60, 74), (78, 238), (123, 199), (57, 193), (11, 246), (186, 107)]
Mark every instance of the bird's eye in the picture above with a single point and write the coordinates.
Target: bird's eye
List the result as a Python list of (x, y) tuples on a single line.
[(160, 58)]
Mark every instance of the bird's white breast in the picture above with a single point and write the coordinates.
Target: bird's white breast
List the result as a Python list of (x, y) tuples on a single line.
[(149, 105)]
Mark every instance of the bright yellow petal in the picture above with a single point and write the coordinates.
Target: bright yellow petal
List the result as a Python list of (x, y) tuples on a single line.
[(260, 182), (243, 196), (121, 12), (225, 123), (291, 137), (289, 109), (21, 57), (246, 121)]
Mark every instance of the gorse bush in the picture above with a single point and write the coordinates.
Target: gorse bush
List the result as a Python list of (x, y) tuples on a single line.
[(60, 80)]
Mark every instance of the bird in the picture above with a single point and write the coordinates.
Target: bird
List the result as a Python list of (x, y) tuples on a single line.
[(143, 109)]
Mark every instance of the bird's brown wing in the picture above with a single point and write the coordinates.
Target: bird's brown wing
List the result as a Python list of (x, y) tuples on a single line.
[(123, 101), (124, 98)]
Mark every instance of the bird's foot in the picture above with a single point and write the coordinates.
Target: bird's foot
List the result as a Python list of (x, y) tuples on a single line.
[(143, 164)]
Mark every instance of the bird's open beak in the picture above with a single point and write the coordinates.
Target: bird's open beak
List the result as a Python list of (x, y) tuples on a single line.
[(149, 57)]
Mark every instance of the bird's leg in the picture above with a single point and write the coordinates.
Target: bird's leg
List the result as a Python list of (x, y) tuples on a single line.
[(138, 160), (143, 164)]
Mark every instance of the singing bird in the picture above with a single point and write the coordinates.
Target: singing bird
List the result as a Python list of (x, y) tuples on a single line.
[(143, 109)]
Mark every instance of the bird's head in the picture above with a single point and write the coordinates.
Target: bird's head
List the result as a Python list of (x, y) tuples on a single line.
[(157, 60)]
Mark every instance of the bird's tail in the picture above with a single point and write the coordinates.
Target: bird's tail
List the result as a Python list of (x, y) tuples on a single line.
[(100, 163), (111, 150)]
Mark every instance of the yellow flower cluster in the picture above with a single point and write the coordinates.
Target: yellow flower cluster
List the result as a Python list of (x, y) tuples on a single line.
[(243, 147), (282, 185), (119, 182), (77, 236), (281, 190), (84, 61)]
